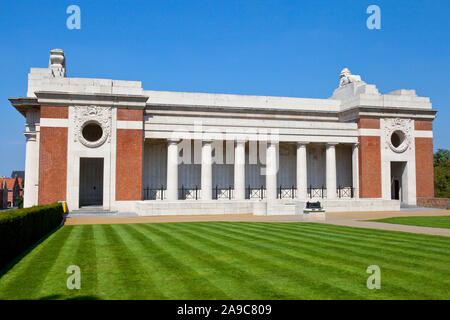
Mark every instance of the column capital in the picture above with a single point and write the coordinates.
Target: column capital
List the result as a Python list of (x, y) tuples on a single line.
[(30, 135), (207, 141), (302, 143), (173, 140), (355, 145), (240, 141), (332, 144)]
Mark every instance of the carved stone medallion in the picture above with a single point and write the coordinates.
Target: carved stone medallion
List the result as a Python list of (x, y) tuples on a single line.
[(398, 134), (92, 125)]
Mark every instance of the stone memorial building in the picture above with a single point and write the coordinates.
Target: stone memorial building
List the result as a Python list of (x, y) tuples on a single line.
[(110, 143)]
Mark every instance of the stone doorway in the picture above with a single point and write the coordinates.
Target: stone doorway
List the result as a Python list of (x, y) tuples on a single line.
[(91, 182), (398, 181)]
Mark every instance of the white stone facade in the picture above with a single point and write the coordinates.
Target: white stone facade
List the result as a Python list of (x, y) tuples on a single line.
[(222, 153)]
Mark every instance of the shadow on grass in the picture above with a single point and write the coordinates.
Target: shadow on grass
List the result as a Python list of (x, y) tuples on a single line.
[(60, 297), (8, 266)]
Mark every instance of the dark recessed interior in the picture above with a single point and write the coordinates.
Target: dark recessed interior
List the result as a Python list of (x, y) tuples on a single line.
[(397, 138), (92, 132)]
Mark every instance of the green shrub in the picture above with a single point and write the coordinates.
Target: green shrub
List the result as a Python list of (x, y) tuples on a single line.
[(19, 202), (21, 228)]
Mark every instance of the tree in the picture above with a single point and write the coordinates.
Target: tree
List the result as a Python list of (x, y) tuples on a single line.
[(442, 173), (440, 156)]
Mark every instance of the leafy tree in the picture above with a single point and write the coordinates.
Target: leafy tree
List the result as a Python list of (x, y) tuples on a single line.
[(441, 155), (442, 173)]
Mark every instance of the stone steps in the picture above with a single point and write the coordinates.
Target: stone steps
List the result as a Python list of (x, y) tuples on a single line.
[(94, 210)]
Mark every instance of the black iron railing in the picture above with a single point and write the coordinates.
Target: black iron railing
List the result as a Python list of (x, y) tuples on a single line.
[(194, 193), (255, 193), (345, 192), (189, 193), (154, 194), (316, 192), (286, 193), (223, 193)]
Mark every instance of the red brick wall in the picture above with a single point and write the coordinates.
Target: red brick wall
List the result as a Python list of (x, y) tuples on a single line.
[(129, 114), (440, 203), (424, 168), (423, 125), (52, 164), (129, 157), (369, 167), (368, 123), (55, 112)]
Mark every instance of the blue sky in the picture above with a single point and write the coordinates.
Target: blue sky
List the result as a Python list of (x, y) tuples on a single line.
[(281, 48)]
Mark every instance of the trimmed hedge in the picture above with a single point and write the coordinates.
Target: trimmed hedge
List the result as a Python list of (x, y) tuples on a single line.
[(21, 228)]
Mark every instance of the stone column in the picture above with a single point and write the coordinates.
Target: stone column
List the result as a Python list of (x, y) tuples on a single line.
[(239, 170), (172, 169), (302, 171), (331, 170), (31, 170), (355, 170), (271, 170), (206, 175)]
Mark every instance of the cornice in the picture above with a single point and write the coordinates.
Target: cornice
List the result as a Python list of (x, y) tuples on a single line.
[(52, 98)]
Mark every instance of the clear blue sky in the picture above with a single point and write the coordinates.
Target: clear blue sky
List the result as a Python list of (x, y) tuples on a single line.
[(282, 48)]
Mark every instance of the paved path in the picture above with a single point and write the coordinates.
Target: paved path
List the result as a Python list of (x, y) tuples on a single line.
[(350, 219), (389, 226)]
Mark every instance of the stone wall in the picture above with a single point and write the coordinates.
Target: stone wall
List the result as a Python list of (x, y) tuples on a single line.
[(441, 203)]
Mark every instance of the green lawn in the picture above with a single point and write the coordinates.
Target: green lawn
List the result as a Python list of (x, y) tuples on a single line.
[(224, 260), (429, 221)]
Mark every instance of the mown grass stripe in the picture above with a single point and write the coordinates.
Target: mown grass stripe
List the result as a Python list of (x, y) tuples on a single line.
[(422, 221), (385, 235), (403, 275), (353, 247), (256, 264), (339, 273), (30, 273), (427, 252), (55, 282), (126, 277), (400, 254), (283, 264), (226, 272), (180, 267), (242, 260)]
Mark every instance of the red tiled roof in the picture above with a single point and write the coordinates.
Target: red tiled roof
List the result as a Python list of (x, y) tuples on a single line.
[(9, 182)]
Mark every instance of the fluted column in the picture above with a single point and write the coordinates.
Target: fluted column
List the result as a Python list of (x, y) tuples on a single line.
[(331, 170), (271, 170), (302, 171), (206, 175), (355, 170), (239, 170), (172, 169)]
